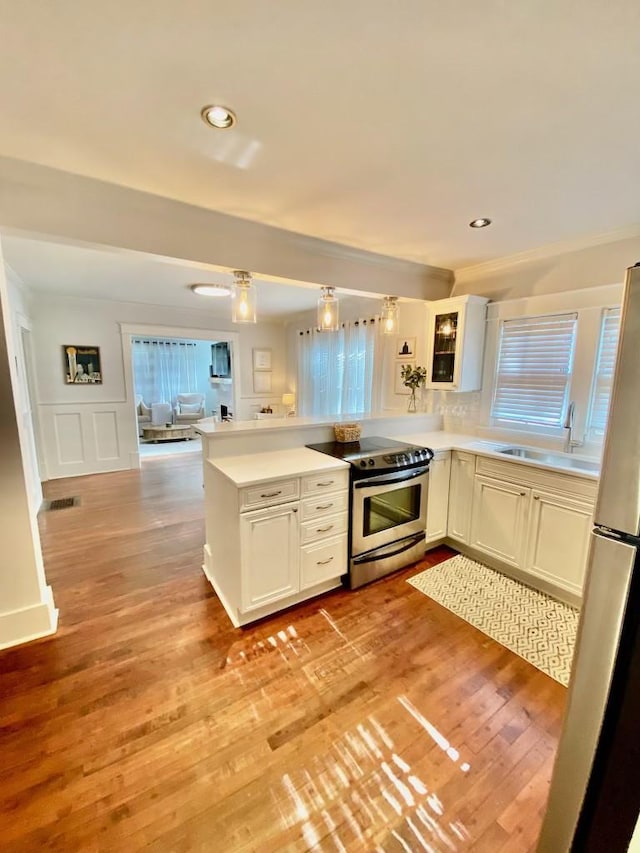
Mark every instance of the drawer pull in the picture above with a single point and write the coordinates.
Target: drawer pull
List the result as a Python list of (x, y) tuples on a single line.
[(271, 494), (323, 562), (325, 483), (324, 506), (522, 494), (323, 529)]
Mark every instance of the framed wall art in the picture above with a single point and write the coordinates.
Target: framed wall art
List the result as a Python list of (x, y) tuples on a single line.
[(405, 348), (398, 385), (261, 382), (82, 365), (262, 359)]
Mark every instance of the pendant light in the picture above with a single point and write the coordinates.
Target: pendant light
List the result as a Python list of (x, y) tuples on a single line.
[(243, 305), (389, 316), (328, 311)]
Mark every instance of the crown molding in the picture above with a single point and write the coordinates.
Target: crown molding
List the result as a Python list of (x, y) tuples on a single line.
[(550, 250)]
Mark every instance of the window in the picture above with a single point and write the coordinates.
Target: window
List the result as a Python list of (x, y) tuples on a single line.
[(603, 380), (535, 360), (335, 370)]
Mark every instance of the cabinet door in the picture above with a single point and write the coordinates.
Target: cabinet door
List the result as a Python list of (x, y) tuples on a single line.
[(461, 495), (438, 496), (499, 520), (559, 540), (270, 555)]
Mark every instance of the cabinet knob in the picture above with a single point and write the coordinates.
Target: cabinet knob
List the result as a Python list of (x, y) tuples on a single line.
[(522, 494), (536, 497), (295, 509)]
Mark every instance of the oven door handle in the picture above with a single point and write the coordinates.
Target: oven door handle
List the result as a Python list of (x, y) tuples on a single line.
[(389, 479), (383, 552)]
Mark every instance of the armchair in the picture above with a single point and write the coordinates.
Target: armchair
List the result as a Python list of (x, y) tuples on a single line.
[(143, 413), (189, 408)]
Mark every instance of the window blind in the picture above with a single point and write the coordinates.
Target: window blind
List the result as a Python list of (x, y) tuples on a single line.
[(534, 368), (605, 366)]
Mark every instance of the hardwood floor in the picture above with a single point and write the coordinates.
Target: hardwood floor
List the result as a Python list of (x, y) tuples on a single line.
[(372, 720)]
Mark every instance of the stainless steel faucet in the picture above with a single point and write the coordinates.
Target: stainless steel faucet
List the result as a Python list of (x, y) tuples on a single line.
[(568, 426)]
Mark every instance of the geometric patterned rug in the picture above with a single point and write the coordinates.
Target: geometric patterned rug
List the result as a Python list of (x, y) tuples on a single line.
[(533, 625)]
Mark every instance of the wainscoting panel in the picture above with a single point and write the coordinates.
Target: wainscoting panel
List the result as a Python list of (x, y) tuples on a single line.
[(88, 438), (105, 431), (69, 443)]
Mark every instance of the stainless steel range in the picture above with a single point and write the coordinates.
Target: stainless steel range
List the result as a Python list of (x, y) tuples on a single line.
[(388, 506)]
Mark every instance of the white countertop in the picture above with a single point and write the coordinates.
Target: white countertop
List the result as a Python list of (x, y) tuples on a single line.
[(440, 440), (250, 469)]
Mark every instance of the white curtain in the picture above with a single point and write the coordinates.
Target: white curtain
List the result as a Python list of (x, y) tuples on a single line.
[(163, 369), (335, 370)]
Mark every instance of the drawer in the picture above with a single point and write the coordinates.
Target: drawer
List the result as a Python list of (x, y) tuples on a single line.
[(323, 528), (324, 505), (332, 481), (268, 494), (570, 483), (323, 561)]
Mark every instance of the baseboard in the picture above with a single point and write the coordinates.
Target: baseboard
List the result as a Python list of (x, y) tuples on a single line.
[(29, 623)]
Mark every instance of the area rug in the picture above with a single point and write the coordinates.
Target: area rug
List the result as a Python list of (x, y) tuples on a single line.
[(533, 625)]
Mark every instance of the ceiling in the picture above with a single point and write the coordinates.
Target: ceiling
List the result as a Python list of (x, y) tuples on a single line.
[(385, 126), (89, 273)]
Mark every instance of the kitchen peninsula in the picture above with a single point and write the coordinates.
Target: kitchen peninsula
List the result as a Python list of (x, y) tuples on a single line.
[(277, 512)]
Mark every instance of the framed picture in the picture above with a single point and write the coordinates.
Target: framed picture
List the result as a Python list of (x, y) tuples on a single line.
[(406, 348), (261, 382), (399, 386), (262, 359), (82, 365)]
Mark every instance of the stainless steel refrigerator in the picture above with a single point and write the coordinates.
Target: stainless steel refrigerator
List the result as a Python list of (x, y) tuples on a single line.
[(595, 788)]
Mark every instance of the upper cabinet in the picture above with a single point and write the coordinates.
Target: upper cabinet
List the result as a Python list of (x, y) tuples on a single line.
[(455, 343)]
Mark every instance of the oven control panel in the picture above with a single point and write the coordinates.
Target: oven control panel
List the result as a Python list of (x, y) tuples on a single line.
[(393, 461)]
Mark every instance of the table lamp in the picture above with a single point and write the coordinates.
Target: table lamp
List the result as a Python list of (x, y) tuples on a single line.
[(289, 400)]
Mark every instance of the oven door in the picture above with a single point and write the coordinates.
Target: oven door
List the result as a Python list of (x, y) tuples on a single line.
[(388, 508)]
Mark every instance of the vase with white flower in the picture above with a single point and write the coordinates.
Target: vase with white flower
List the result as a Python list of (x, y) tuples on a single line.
[(413, 378)]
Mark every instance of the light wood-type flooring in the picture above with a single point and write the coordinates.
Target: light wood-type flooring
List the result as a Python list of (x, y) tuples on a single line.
[(372, 720)]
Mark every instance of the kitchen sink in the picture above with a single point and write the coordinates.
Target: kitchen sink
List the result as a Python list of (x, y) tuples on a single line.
[(561, 460)]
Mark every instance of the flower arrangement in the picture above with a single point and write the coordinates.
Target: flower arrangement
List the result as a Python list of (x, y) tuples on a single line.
[(413, 378)]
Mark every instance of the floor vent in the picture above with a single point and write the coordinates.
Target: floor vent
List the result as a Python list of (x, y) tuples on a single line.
[(61, 503)]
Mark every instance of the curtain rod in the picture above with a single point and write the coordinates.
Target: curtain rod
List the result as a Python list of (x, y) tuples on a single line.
[(364, 322)]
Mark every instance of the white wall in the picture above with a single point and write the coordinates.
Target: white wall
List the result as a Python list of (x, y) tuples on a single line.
[(92, 428), (26, 602)]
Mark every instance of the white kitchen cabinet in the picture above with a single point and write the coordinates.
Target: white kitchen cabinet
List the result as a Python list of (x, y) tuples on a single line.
[(460, 495), (274, 543), (455, 343), (270, 555), (438, 496), (558, 539), (499, 519)]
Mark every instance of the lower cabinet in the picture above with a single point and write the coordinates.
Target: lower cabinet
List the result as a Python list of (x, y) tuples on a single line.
[(558, 541), (463, 467), (499, 520), (438, 497), (270, 555)]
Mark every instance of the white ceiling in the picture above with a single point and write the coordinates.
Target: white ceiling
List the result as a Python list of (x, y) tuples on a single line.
[(386, 126), (88, 273)]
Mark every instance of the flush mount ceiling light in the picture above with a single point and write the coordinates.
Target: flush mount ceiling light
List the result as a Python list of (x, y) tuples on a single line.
[(243, 305), (389, 315), (218, 116), (328, 311), (211, 289), (480, 223)]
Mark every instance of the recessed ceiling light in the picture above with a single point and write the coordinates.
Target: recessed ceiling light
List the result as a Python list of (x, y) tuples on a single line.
[(479, 223), (211, 289), (217, 116)]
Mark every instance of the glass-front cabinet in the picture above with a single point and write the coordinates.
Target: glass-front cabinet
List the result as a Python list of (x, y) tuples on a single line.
[(455, 343)]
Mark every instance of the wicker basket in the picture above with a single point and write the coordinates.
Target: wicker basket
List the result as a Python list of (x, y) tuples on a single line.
[(345, 433)]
